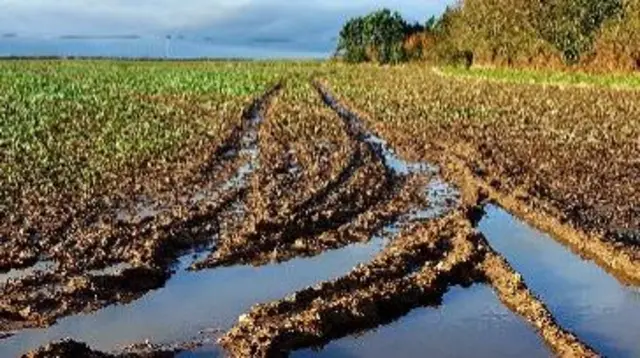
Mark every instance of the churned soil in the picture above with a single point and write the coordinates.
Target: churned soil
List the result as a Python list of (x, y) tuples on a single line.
[(416, 269), (317, 181), (566, 158), (319, 186), (146, 235)]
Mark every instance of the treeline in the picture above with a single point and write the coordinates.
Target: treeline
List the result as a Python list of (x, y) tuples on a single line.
[(597, 34)]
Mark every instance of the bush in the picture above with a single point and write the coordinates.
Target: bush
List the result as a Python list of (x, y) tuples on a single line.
[(571, 25), (617, 45)]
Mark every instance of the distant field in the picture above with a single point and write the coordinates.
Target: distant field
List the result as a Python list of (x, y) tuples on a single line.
[(614, 80)]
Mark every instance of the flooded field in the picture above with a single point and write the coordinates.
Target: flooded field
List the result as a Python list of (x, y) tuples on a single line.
[(297, 225)]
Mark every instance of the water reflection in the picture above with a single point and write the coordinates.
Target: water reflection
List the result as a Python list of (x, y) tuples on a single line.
[(192, 302), (582, 296), (470, 323)]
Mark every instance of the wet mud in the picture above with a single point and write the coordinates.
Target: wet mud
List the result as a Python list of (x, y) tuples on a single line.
[(53, 227), (363, 199), (332, 187), (564, 160), (416, 269), (475, 313), (308, 181), (96, 241)]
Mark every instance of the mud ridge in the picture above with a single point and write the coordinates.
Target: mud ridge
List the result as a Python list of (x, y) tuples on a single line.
[(621, 261), (513, 292), (318, 227), (415, 270), (364, 196)]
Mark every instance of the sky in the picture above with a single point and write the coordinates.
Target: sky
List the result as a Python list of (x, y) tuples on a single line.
[(273, 25)]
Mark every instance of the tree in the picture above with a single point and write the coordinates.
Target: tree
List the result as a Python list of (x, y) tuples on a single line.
[(513, 31), (571, 25), (378, 37), (431, 24), (447, 33), (351, 43), (617, 45), (498, 31)]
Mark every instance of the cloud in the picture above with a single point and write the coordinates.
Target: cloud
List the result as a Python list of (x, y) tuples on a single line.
[(310, 25), (50, 17), (63, 17)]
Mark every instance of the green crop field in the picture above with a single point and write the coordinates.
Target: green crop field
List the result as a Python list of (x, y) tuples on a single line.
[(138, 165), (71, 125)]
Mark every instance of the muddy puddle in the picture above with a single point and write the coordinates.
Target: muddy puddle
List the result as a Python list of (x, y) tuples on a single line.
[(441, 196), (471, 322), (582, 296), (207, 301)]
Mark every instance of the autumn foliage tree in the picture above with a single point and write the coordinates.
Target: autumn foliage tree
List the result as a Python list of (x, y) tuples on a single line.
[(617, 45), (538, 33), (572, 25)]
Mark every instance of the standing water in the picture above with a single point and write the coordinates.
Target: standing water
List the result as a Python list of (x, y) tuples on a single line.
[(471, 322), (192, 302), (583, 297)]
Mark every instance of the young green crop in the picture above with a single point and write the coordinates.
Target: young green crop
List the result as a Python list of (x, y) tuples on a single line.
[(70, 125)]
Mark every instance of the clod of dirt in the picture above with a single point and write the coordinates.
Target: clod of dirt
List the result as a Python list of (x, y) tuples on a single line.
[(72, 349)]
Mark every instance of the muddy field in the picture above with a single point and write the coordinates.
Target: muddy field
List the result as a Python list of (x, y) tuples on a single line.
[(565, 158), (280, 165)]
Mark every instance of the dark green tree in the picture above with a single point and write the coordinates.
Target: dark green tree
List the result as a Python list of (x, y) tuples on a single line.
[(378, 37), (351, 43)]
